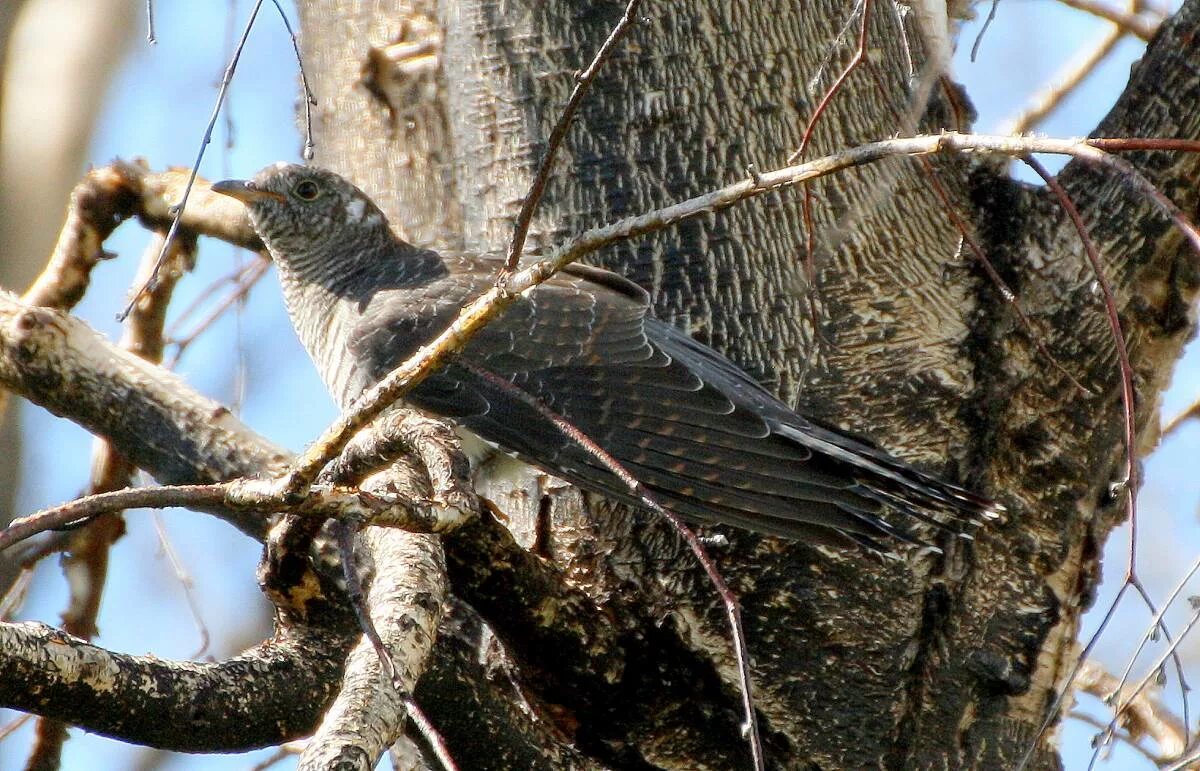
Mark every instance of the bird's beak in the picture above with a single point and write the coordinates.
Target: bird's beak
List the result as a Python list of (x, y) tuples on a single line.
[(244, 190)]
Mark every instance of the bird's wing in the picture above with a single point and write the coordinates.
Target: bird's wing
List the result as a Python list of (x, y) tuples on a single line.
[(695, 430)]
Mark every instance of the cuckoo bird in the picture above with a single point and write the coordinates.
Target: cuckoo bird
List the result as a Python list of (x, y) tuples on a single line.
[(700, 434)]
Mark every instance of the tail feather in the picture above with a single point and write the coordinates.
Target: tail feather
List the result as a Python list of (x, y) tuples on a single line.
[(895, 484)]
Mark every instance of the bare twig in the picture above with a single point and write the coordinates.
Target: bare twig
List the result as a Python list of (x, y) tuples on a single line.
[(537, 188), (407, 594), (987, 23), (1193, 236), (241, 494), (1129, 741), (1059, 698), (243, 280), (86, 551), (1191, 412), (186, 582), (1064, 83), (285, 751), (1007, 295), (11, 727), (187, 188), (1135, 24), (345, 532), (150, 37), (1155, 623), (810, 259), (226, 81), (309, 99), (1126, 700), (1125, 369), (14, 598)]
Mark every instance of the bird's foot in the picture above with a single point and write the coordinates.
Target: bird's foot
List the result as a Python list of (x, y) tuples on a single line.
[(406, 455)]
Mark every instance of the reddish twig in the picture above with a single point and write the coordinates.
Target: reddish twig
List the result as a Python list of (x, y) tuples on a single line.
[(430, 734), (1007, 295), (243, 280), (810, 267), (1128, 403), (239, 494), (728, 598)]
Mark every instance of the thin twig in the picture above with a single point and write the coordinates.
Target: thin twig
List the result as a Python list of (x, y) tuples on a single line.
[(239, 494), (1061, 696), (309, 99), (187, 189), (11, 727), (1007, 295), (987, 23), (344, 532), (1130, 438), (284, 751), (150, 37), (1172, 425), (185, 581), (1176, 659), (87, 550), (1133, 23), (806, 220), (1122, 736), (1158, 617), (1064, 84), (243, 279), (541, 177), (14, 597), (1125, 369), (1125, 703)]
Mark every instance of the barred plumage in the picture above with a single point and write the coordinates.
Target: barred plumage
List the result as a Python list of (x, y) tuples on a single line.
[(696, 430)]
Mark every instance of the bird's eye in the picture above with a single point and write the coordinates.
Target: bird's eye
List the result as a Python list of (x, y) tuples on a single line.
[(306, 190)]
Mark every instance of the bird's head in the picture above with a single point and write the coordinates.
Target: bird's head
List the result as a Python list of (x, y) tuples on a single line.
[(303, 213)]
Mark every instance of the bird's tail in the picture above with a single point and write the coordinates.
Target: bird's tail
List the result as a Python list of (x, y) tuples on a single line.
[(897, 485)]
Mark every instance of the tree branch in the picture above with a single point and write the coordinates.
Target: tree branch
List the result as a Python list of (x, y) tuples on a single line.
[(405, 599), (269, 694)]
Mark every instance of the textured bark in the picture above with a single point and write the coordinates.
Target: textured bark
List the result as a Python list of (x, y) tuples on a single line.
[(267, 695)]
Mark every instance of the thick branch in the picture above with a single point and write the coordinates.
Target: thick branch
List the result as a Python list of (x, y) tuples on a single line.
[(157, 422), (272, 693)]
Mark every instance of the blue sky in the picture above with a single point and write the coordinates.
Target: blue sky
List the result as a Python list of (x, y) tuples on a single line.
[(158, 108)]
